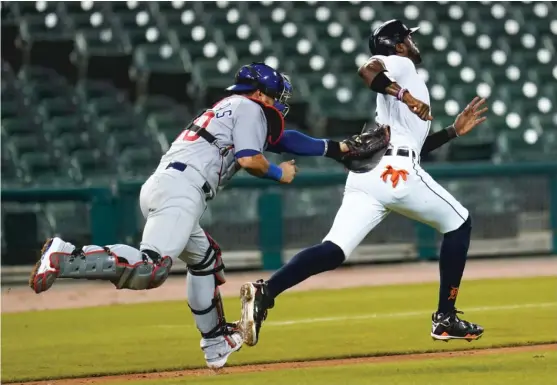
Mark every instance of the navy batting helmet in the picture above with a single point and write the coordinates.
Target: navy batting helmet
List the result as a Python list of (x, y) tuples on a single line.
[(385, 37), (260, 76)]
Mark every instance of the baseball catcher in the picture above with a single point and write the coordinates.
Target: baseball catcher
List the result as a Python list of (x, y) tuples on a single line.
[(231, 135)]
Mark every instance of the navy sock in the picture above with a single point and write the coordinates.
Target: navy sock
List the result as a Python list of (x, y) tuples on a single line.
[(313, 260), (452, 259)]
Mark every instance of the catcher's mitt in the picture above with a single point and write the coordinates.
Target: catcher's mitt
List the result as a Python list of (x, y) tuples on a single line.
[(362, 148)]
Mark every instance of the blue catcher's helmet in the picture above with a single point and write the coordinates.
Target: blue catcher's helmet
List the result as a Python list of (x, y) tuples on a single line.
[(260, 76)]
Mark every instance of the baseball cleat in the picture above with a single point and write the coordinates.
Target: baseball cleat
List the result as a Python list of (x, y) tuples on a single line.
[(47, 268), (448, 326), (218, 349), (255, 303)]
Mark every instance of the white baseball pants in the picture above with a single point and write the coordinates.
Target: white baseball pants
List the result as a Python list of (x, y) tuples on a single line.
[(368, 200)]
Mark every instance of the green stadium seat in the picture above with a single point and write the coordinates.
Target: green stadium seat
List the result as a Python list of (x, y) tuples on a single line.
[(10, 109), (167, 124), (82, 7), (86, 20), (96, 168), (197, 39), (68, 143), (108, 105), (141, 27), (90, 89), (159, 58), (174, 7), (69, 124), (156, 104), (19, 126), (34, 93), (57, 107), (24, 8), (43, 169), (44, 26), (527, 145), (11, 176), (26, 144), (100, 41), (41, 75), (122, 131), (50, 42), (138, 163)]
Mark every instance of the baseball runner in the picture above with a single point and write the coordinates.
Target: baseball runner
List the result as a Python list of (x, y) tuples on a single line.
[(394, 181), (223, 139)]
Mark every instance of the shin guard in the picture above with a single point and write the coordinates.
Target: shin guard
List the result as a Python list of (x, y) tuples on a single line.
[(204, 299), (124, 266)]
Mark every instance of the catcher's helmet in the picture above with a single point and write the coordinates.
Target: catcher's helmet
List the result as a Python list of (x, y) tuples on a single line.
[(260, 76), (385, 37)]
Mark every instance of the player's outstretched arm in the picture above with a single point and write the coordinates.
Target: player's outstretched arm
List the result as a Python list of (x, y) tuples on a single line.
[(297, 143), (375, 75), (469, 118)]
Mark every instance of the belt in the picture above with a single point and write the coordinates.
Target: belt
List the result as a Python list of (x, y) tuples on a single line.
[(401, 152), (181, 167)]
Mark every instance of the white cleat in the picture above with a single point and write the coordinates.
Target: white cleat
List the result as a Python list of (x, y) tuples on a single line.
[(218, 349), (46, 270)]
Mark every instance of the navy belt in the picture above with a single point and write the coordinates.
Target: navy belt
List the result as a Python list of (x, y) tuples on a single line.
[(181, 167), (402, 152)]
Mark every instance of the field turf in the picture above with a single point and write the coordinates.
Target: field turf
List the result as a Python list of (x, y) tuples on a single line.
[(303, 326)]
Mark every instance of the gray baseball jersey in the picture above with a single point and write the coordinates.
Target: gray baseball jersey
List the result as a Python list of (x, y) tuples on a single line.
[(237, 122)]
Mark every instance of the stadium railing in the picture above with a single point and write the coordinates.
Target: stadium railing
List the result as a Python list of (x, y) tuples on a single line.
[(114, 215)]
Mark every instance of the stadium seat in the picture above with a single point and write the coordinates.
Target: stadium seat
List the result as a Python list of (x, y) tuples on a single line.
[(95, 167), (163, 60), (43, 169)]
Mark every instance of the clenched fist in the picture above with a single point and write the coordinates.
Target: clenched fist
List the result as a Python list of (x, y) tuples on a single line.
[(417, 106), (289, 171)]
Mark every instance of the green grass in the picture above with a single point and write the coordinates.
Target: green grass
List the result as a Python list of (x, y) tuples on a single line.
[(162, 336), (525, 368)]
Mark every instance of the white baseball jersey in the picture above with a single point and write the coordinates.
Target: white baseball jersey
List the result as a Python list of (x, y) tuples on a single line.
[(370, 197), (407, 129)]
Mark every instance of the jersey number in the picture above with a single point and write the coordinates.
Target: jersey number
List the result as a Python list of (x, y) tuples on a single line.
[(202, 122)]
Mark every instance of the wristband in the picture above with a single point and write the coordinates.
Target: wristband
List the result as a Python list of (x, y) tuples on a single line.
[(380, 82), (452, 131), (274, 172), (332, 150), (401, 93)]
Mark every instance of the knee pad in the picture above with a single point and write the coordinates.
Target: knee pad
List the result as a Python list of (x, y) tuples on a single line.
[(101, 263), (211, 265)]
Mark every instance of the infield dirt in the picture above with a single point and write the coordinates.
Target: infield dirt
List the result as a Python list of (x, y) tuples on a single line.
[(289, 365)]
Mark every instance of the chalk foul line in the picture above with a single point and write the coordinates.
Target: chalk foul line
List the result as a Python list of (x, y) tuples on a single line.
[(389, 315)]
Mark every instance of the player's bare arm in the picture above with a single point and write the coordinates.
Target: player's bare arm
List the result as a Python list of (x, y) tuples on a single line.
[(376, 77), (466, 121), (259, 166)]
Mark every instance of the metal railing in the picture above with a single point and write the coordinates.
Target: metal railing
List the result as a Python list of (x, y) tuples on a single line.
[(114, 214)]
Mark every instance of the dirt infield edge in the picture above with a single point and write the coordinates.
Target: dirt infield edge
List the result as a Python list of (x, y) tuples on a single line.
[(290, 365)]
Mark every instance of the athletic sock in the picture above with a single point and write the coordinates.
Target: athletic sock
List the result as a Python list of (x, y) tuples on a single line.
[(313, 260), (452, 260)]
